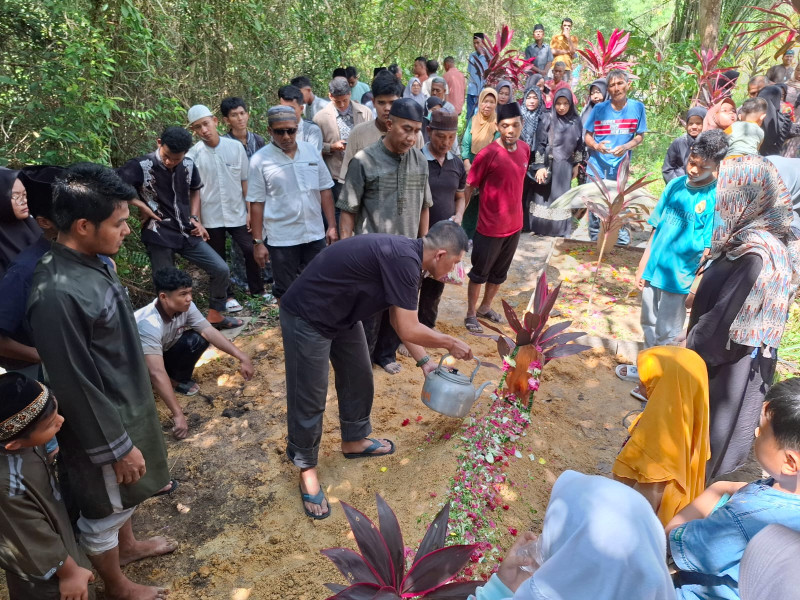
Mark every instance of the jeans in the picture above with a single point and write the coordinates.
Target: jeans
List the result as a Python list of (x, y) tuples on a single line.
[(180, 359), (429, 296), (382, 341), (663, 315), (244, 240), (307, 354), (472, 104), (289, 261), (623, 238), (202, 256)]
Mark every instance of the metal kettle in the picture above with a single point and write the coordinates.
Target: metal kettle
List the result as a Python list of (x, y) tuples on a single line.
[(449, 392)]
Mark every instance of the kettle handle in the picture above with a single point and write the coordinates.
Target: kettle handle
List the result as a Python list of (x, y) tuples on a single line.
[(471, 377)]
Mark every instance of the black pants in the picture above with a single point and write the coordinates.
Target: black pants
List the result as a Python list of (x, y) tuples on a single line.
[(429, 295), (243, 239), (180, 359), (289, 261), (382, 340), (307, 354)]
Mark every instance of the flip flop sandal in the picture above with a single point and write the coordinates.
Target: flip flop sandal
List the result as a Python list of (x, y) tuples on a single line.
[(173, 485), (315, 499), (232, 306), (228, 323), (369, 452), (492, 316), (637, 395), (631, 373), (190, 388), (472, 325)]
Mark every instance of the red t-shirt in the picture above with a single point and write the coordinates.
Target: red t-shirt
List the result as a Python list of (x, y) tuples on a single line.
[(500, 174)]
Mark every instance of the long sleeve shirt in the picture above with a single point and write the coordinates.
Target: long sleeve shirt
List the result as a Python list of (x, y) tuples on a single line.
[(475, 80)]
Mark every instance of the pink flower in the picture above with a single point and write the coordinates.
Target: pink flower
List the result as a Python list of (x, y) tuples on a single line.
[(533, 384), (419, 418), (535, 365), (446, 436), (505, 506), (506, 366), (512, 531), (405, 422), (433, 494)]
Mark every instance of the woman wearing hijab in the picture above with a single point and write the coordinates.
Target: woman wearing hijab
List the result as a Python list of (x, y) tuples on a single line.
[(678, 152), (481, 130), (505, 92), (532, 108), (741, 306), (720, 116), (18, 229), (558, 152), (414, 91), (598, 92), (600, 541), (777, 126), (665, 457)]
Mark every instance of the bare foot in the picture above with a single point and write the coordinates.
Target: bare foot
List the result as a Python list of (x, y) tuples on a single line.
[(309, 484), (393, 368), (134, 591), (140, 549), (403, 351)]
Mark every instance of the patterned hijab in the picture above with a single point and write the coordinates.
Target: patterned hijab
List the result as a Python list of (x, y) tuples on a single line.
[(483, 128), (530, 118), (753, 215), (503, 83)]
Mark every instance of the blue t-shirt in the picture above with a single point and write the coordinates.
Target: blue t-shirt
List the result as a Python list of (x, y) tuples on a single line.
[(684, 221), (617, 127), (708, 551)]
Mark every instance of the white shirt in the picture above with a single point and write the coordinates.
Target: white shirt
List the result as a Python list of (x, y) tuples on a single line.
[(290, 189), (222, 170), (158, 333)]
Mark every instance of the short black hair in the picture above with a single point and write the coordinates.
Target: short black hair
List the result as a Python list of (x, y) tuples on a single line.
[(394, 69), (783, 410), (177, 139), (88, 191), (301, 82), (228, 104), (566, 20), (449, 60), (432, 66), (753, 106), (340, 72), (447, 235), (711, 145), (757, 79), (377, 70), (386, 84), (350, 71), (422, 59), (291, 93), (170, 279)]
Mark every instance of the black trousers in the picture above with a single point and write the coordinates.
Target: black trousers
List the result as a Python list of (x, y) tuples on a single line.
[(180, 359), (289, 261), (382, 340), (429, 296), (307, 355), (243, 239)]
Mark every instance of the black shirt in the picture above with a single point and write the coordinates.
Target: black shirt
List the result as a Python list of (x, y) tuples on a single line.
[(354, 279), (167, 194), (444, 180)]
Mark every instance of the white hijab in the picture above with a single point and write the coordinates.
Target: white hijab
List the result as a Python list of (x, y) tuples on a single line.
[(601, 540)]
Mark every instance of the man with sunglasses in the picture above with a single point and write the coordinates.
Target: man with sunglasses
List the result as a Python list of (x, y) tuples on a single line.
[(287, 185)]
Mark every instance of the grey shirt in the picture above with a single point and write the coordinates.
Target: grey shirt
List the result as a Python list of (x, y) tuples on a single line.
[(542, 55), (316, 105), (789, 172), (308, 131), (386, 191)]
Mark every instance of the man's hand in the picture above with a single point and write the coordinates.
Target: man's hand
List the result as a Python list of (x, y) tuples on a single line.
[(338, 146), (199, 231), (620, 150), (73, 581), (247, 223), (689, 302), (246, 368), (456, 218), (180, 428), (428, 367), (603, 148), (145, 212), (130, 468), (510, 572), (541, 176), (261, 255), (332, 235), (460, 350), (639, 281)]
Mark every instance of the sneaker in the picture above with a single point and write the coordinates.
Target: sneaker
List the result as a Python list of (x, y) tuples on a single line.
[(269, 298), (232, 306)]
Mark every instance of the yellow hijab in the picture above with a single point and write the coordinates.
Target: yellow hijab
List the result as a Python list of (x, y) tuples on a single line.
[(669, 441), (483, 129)]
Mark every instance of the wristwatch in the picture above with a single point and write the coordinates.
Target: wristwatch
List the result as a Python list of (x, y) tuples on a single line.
[(257, 241), (195, 217)]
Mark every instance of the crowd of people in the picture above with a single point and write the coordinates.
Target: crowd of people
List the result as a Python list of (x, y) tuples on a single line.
[(385, 159)]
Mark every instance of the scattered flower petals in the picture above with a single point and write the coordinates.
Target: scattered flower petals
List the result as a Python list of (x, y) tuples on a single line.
[(419, 418), (405, 422), (512, 531), (384, 469), (542, 461)]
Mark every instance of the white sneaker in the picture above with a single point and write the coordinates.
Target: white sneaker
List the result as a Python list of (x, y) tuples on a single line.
[(232, 306)]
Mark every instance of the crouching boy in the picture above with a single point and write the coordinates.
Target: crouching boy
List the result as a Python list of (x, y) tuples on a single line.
[(38, 551)]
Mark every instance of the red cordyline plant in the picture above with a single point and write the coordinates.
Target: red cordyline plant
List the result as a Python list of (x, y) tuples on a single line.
[(602, 58), (778, 24), (712, 87), (379, 572), (502, 62), (533, 341)]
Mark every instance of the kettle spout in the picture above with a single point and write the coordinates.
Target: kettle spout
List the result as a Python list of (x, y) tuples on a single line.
[(480, 389)]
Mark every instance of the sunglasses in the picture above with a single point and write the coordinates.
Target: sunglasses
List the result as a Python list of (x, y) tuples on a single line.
[(289, 131)]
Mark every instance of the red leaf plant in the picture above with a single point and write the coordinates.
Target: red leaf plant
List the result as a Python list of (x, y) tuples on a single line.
[(534, 341), (602, 58), (503, 63), (379, 572), (712, 87), (777, 24)]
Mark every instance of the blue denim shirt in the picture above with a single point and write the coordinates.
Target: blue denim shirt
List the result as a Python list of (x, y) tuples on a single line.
[(707, 551), (475, 81)]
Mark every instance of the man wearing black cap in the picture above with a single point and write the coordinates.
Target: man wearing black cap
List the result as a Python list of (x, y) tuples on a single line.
[(498, 171), (475, 80), (539, 51), (386, 191)]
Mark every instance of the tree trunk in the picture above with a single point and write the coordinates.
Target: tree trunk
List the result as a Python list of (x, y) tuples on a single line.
[(710, 13)]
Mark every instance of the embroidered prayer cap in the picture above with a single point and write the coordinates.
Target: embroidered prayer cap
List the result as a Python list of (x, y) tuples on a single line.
[(281, 113), (444, 120), (197, 112), (508, 111), (22, 400), (538, 26), (406, 108)]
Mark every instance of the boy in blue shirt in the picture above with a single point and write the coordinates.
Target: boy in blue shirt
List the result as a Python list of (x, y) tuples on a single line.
[(707, 538)]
